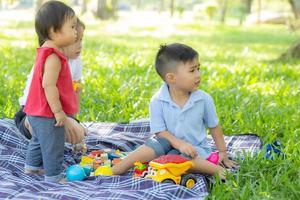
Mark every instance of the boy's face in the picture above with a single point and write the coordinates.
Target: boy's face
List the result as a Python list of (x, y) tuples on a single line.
[(73, 51), (187, 77)]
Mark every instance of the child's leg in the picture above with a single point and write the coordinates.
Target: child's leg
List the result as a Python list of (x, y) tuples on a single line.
[(27, 125), (75, 132), (142, 154), (33, 161), (154, 147), (51, 139), (22, 123), (203, 166)]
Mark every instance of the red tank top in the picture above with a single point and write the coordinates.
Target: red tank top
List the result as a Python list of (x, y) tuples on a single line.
[(36, 103)]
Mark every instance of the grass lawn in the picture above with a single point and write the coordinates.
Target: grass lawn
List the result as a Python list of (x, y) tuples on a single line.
[(252, 92)]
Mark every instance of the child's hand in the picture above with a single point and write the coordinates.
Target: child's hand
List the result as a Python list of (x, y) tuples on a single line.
[(60, 118), (74, 131), (188, 149), (226, 161)]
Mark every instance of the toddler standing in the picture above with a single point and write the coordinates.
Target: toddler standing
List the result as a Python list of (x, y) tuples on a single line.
[(51, 95)]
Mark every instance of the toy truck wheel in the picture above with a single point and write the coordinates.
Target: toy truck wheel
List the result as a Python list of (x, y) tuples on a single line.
[(144, 174), (188, 180), (168, 181)]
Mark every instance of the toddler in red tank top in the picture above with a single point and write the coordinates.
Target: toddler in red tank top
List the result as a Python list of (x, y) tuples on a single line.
[(51, 95)]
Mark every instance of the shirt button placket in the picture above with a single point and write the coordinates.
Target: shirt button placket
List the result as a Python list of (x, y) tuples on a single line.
[(181, 117)]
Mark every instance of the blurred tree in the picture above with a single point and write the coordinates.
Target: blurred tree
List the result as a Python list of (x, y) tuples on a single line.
[(210, 10), (242, 12), (161, 6), (84, 6), (248, 6), (295, 4), (293, 52), (258, 11), (138, 4), (106, 9), (223, 10), (172, 6)]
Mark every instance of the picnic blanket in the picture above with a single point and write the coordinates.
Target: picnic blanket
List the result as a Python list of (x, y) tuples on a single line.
[(15, 184)]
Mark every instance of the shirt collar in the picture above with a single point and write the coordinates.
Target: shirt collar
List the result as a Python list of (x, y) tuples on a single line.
[(164, 94)]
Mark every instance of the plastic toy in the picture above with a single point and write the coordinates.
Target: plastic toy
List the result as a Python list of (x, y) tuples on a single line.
[(79, 148), (75, 173), (140, 169), (213, 158), (87, 170), (171, 169), (103, 171), (76, 85), (96, 163), (274, 149), (96, 153), (112, 156), (86, 160)]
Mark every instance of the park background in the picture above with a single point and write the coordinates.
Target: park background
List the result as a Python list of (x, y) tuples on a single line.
[(249, 54)]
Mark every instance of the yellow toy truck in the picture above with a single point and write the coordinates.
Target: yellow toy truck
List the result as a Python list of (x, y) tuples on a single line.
[(171, 169)]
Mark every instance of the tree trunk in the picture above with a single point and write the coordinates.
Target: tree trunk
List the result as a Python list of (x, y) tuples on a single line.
[(84, 6), (295, 8), (138, 4), (105, 10), (248, 6), (161, 6), (172, 7), (223, 11), (258, 11), (293, 52)]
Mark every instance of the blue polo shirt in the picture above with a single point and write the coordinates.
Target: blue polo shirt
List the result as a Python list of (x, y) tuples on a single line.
[(188, 123)]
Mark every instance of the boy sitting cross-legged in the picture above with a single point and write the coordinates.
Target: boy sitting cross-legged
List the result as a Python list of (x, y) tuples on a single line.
[(179, 115)]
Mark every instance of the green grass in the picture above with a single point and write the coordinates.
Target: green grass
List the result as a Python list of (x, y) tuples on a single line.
[(252, 91)]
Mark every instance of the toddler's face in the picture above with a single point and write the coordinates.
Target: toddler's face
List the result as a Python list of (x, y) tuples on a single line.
[(73, 51), (188, 76), (68, 32)]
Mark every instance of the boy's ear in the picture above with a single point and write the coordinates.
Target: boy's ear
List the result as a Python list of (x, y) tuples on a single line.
[(170, 77)]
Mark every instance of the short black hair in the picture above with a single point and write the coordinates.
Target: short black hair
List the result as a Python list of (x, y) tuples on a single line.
[(168, 56), (51, 14)]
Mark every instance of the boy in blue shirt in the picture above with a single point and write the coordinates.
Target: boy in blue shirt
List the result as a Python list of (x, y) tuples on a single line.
[(179, 115)]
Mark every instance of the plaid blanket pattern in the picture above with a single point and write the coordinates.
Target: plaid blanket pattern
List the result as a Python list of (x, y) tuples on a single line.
[(14, 184)]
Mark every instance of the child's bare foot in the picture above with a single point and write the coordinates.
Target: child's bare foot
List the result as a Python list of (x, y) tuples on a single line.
[(63, 181), (38, 171), (222, 172)]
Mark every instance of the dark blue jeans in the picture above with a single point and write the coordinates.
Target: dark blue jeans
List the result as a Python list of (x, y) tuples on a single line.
[(46, 147)]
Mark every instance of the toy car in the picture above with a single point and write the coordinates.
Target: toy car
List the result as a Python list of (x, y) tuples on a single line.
[(171, 169), (140, 169)]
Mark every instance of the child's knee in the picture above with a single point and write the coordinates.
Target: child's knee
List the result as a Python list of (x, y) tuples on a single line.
[(160, 145)]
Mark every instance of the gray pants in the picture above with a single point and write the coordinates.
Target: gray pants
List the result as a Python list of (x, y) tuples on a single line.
[(46, 147), (162, 146)]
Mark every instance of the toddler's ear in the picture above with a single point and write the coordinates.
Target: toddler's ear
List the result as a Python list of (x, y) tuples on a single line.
[(51, 32), (170, 77)]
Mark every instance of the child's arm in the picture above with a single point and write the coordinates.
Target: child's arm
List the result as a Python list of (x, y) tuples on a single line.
[(51, 71), (217, 134), (157, 126), (181, 145)]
